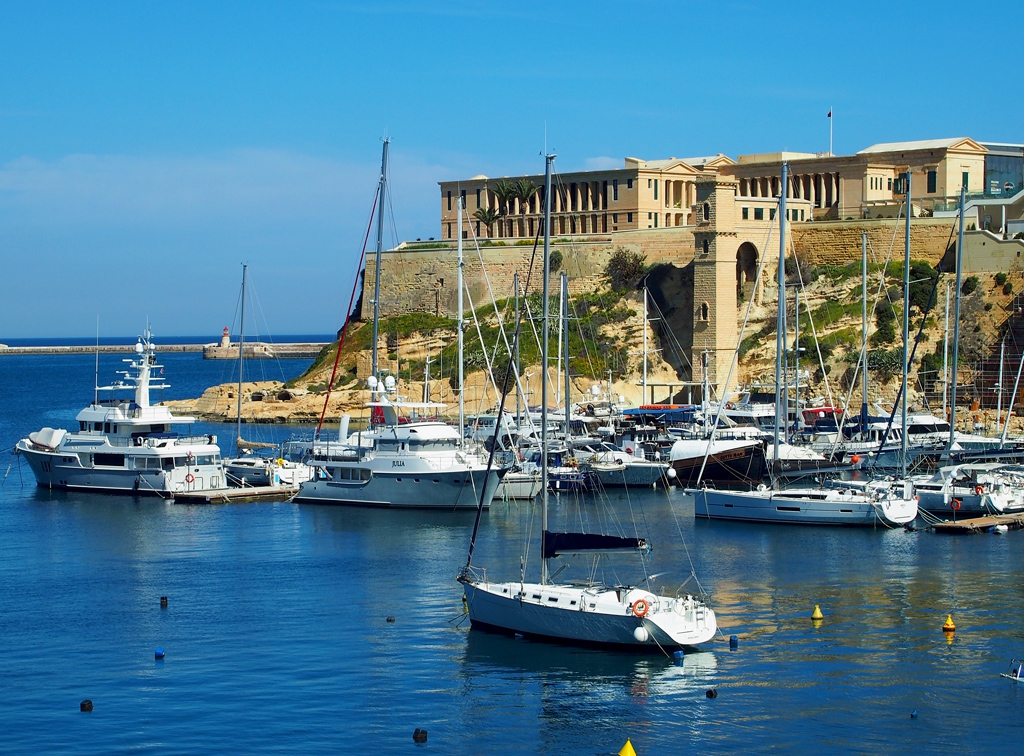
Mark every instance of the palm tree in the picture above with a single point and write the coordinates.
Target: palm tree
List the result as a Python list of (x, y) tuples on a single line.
[(504, 191), (524, 192), (487, 216)]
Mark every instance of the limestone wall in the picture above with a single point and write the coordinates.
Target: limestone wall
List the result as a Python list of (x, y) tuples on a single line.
[(839, 242)]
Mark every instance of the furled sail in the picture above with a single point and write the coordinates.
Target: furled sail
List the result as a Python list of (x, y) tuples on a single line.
[(579, 543)]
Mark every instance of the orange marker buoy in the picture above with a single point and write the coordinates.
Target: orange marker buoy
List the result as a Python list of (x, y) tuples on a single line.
[(948, 626)]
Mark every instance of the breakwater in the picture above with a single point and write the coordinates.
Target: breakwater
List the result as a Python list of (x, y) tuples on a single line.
[(209, 351)]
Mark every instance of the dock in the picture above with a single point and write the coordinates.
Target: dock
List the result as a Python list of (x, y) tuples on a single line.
[(229, 495), (979, 524)]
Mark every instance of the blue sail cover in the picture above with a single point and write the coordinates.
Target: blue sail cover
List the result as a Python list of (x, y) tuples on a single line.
[(578, 543)]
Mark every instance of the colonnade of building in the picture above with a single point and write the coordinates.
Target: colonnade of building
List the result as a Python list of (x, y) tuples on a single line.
[(822, 189)]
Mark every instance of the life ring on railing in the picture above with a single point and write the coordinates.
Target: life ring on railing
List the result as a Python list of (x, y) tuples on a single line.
[(979, 490), (190, 478), (955, 505), (640, 608)]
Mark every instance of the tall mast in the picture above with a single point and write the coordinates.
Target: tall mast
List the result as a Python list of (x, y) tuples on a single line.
[(381, 193), (956, 319), (461, 327), (241, 360), (999, 386), (565, 348), (864, 330), (780, 334), (796, 355), (519, 372), (945, 361), (906, 331), (548, 160), (643, 390)]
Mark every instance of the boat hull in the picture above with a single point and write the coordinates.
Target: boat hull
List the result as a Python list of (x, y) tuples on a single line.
[(425, 490), (734, 468), (591, 616), (826, 508)]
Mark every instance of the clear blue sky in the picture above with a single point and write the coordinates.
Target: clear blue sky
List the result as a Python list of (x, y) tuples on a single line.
[(148, 148)]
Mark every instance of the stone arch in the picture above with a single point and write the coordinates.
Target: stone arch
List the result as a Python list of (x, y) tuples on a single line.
[(746, 269)]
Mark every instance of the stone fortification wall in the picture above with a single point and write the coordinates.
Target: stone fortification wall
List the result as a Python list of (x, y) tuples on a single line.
[(424, 280), (839, 242)]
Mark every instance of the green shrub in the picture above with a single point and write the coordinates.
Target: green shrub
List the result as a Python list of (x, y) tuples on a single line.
[(969, 286), (1000, 278), (1008, 288), (625, 269), (555, 260)]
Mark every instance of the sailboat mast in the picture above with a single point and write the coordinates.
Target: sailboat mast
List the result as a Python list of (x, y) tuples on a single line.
[(565, 348), (548, 160), (461, 327), (643, 390), (381, 192), (241, 360), (956, 318), (864, 330), (999, 385), (945, 361), (780, 334), (519, 372), (906, 331)]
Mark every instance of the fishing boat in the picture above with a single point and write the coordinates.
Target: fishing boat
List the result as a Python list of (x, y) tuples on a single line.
[(585, 612), (124, 443)]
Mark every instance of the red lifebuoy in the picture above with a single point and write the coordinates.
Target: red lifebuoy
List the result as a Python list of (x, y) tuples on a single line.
[(640, 608), (979, 490), (190, 478), (955, 505)]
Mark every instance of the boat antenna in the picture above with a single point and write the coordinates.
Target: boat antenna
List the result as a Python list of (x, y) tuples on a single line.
[(382, 191)]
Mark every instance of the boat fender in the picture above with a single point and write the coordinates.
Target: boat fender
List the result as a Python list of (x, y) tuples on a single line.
[(190, 478), (728, 405), (629, 450), (640, 608), (979, 490), (955, 505), (641, 634)]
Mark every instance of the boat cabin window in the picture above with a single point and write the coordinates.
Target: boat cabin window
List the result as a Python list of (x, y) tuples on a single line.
[(147, 463), (97, 426), (106, 427), (352, 473), (109, 460), (206, 459)]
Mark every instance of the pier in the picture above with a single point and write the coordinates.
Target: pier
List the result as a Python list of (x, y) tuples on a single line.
[(979, 524), (229, 495), (214, 351)]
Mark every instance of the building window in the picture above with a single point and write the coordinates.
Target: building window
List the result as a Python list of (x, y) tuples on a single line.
[(462, 194), (931, 182), (801, 215), (771, 213), (655, 188), (795, 214), (449, 202), (656, 220), (478, 228), (615, 217), (889, 184), (629, 183), (604, 195), (965, 181), (707, 211), (649, 182), (615, 189), (449, 227), (629, 217), (705, 246), (478, 198), (745, 212), (704, 313), (649, 216), (758, 213)]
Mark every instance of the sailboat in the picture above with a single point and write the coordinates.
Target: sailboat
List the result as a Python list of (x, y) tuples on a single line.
[(888, 503), (405, 459), (250, 469), (590, 612)]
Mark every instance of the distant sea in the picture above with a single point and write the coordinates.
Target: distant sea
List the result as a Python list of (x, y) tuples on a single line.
[(160, 339)]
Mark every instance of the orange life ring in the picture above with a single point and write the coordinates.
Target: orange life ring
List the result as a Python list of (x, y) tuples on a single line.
[(190, 478), (640, 608), (955, 505), (979, 490)]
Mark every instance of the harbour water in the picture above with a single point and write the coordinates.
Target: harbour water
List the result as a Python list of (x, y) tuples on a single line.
[(277, 640)]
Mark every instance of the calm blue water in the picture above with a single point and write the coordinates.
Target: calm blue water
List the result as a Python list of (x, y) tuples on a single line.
[(276, 638)]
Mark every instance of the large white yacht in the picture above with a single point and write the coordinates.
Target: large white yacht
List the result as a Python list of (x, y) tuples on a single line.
[(125, 444), (401, 461)]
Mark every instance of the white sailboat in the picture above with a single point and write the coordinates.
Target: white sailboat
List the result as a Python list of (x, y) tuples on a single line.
[(888, 504), (590, 612)]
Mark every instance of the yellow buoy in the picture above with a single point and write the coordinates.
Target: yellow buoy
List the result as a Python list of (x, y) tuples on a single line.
[(627, 750), (948, 626), (817, 615)]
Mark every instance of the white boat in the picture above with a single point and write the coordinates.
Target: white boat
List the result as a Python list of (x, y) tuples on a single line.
[(971, 490), (124, 443), (586, 612), (615, 468)]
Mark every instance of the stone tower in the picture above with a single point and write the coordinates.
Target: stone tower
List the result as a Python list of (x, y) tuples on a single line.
[(715, 323)]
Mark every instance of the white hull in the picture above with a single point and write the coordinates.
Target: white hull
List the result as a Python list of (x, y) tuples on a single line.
[(590, 615), (458, 489), (518, 485), (804, 507)]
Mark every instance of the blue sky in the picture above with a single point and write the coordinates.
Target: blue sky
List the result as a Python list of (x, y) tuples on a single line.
[(148, 148)]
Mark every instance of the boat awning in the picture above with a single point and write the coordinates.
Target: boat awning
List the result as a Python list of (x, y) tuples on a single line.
[(581, 543)]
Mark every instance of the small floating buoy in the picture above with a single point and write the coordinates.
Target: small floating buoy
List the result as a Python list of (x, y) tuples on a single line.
[(627, 750), (86, 705), (712, 693), (948, 626), (854, 459), (1001, 529), (913, 714), (163, 602), (734, 641), (419, 735), (816, 614), (159, 653), (390, 619)]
